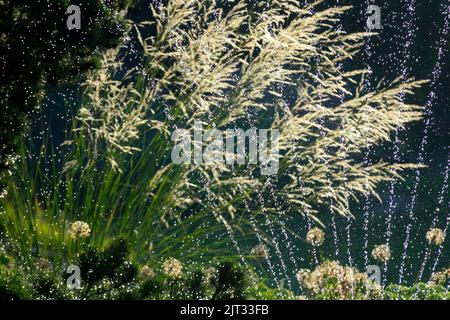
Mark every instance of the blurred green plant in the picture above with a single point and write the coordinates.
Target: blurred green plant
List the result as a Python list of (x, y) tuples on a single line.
[(108, 274)]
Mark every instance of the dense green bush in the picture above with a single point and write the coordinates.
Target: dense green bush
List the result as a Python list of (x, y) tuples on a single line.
[(12, 284), (260, 291), (224, 281), (108, 274), (419, 291), (104, 274)]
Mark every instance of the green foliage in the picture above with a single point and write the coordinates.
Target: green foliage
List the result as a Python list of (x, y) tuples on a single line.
[(331, 291), (37, 47), (107, 274), (419, 291), (260, 291), (12, 284), (104, 272), (229, 282), (226, 280), (42, 204), (45, 284)]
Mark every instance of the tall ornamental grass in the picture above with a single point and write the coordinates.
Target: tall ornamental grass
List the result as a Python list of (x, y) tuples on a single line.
[(243, 67)]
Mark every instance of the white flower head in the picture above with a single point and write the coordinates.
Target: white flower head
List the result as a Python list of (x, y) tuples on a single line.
[(382, 253), (435, 236), (173, 268), (315, 237), (79, 229)]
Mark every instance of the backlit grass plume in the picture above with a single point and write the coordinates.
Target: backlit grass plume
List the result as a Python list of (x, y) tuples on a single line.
[(239, 67)]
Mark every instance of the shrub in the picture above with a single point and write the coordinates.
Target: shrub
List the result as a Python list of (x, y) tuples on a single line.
[(419, 291), (12, 284)]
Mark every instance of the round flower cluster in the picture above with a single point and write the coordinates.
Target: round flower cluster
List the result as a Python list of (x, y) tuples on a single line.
[(79, 229), (440, 278), (315, 236), (173, 268), (146, 272), (337, 281), (260, 251), (382, 253), (435, 236)]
